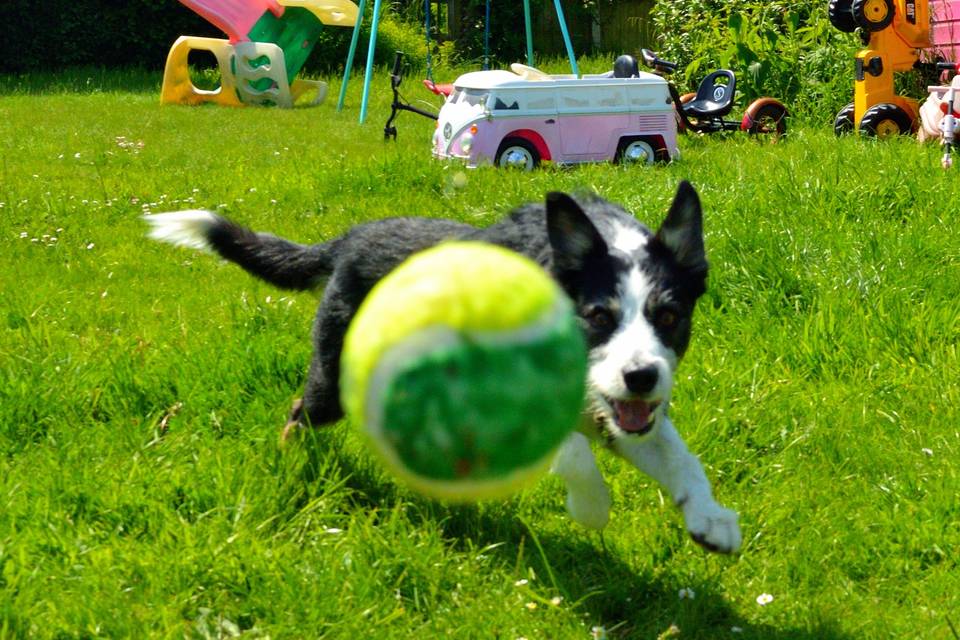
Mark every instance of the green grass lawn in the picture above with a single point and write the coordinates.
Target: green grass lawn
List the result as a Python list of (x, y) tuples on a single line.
[(142, 388)]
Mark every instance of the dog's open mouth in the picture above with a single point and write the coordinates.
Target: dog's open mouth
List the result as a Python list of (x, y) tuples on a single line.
[(634, 416)]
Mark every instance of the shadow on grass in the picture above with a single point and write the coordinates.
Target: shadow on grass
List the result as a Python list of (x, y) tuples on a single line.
[(612, 594), (82, 80)]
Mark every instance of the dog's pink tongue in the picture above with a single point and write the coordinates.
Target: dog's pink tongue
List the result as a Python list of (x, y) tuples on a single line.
[(632, 415)]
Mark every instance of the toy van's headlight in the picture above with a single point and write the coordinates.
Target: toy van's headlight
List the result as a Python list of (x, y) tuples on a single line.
[(466, 140)]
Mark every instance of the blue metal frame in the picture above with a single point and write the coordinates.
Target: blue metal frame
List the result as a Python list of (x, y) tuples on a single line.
[(353, 49), (529, 29), (566, 38), (486, 38), (371, 49)]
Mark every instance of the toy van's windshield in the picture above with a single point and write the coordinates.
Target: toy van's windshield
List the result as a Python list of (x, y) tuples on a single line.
[(472, 97)]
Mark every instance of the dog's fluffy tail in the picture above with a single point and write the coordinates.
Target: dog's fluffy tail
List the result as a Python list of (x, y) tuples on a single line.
[(280, 262)]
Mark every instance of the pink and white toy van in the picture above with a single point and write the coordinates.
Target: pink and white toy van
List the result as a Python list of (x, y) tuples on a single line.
[(521, 117)]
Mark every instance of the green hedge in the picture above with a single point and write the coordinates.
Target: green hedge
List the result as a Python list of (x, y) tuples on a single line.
[(783, 48), (138, 33), (63, 33)]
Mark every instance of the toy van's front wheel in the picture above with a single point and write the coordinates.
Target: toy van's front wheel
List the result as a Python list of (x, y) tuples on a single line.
[(885, 120), (844, 123), (872, 15), (517, 153), (635, 151)]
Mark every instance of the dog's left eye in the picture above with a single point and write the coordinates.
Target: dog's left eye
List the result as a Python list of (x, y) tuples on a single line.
[(666, 318), (600, 318)]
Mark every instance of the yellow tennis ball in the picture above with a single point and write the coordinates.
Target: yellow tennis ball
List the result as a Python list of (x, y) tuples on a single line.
[(465, 368)]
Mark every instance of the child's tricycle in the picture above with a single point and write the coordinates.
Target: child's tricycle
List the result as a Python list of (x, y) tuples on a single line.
[(704, 110)]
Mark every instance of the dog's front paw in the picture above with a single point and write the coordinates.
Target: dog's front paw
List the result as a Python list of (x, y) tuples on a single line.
[(712, 526), (592, 510)]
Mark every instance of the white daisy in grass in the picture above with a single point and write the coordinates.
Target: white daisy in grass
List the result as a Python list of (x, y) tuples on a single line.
[(687, 594), (764, 599)]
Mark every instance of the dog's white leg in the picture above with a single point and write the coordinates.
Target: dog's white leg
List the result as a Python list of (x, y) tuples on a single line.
[(664, 456), (588, 499)]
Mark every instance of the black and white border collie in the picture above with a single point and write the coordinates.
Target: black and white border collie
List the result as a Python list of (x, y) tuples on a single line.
[(634, 291)]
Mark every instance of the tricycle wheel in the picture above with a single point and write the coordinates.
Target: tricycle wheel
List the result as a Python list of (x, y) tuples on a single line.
[(769, 119), (843, 124), (872, 15), (885, 120), (841, 16), (517, 153)]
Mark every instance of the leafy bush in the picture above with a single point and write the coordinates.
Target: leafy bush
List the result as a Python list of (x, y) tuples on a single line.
[(788, 50)]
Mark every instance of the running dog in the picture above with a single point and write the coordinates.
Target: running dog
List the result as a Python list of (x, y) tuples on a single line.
[(634, 291)]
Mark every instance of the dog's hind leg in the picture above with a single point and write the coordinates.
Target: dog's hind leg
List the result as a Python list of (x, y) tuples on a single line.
[(664, 457), (321, 396), (588, 499)]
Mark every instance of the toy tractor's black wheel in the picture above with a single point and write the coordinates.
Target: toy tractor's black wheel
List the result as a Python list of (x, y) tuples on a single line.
[(844, 123), (872, 15), (840, 13), (885, 120)]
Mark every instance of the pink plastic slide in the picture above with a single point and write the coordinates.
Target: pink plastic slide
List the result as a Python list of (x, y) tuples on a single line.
[(234, 17)]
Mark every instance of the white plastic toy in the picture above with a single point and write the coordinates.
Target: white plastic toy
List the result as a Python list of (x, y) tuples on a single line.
[(939, 116)]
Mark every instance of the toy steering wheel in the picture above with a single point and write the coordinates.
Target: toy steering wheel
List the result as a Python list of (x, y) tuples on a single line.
[(528, 73)]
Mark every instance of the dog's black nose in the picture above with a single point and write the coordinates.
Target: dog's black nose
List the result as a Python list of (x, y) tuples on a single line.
[(641, 380)]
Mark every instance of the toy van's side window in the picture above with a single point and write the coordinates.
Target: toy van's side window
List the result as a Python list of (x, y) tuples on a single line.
[(505, 102), (571, 102), (542, 101), (642, 98), (600, 99), (614, 100)]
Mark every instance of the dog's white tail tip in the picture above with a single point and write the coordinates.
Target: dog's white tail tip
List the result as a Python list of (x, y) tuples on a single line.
[(183, 228)]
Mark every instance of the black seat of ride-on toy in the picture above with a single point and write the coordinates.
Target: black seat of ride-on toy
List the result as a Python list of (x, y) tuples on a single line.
[(714, 99), (626, 67)]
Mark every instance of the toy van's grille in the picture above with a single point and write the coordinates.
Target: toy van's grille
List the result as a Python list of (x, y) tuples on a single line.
[(653, 122)]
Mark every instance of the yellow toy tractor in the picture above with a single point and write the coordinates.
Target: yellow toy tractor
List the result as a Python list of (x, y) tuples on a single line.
[(893, 33)]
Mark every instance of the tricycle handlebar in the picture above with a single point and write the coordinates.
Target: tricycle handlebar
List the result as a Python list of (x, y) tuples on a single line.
[(659, 64)]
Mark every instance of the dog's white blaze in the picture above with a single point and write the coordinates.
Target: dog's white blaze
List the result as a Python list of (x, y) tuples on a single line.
[(182, 228), (628, 239), (633, 345)]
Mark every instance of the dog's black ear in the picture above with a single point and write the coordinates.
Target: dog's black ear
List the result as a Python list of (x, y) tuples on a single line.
[(682, 230), (572, 236)]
